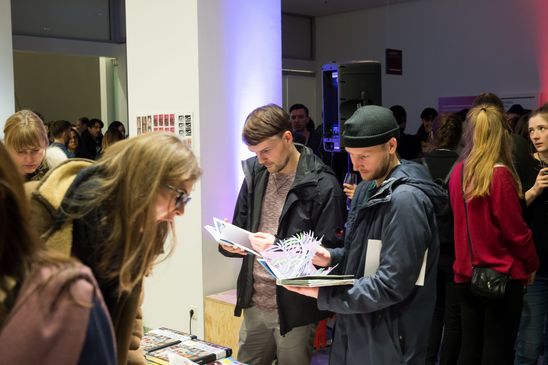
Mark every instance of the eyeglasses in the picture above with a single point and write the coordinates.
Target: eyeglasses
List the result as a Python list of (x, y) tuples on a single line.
[(182, 197)]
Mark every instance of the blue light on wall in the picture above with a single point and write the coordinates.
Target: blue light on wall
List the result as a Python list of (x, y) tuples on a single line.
[(253, 48)]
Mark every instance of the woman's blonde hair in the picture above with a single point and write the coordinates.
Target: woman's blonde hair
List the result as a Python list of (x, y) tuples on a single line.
[(487, 143), (25, 129), (129, 177), (111, 136)]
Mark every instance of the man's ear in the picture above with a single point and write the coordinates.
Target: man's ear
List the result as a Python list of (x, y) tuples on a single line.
[(392, 145), (287, 136)]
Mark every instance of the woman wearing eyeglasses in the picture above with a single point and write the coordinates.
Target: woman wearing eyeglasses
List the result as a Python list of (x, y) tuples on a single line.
[(115, 217)]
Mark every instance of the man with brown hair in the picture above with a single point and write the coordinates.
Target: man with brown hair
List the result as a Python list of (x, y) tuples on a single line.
[(286, 190), (57, 151)]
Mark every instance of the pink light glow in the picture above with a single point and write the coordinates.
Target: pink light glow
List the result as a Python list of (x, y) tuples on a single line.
[(539, 16)]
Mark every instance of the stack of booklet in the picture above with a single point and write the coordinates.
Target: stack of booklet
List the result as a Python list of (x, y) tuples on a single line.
[(289, 260), (165, 346)]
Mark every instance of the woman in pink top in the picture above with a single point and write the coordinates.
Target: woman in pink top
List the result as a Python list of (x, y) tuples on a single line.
[(499, 238)]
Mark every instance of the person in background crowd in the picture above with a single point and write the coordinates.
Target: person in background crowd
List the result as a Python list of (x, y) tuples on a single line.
[(112, 136), (26, 139), (287, 189), (303, 126), (51, 311), (91, 139), (409, 146), (446, 319), (73, 142), (489, 232), (82, 125), (532, 336), (118, 126), (115, 217), (57, 151), (521, 128), (514, 113), (384, 317), (425, 133), (48, 129)]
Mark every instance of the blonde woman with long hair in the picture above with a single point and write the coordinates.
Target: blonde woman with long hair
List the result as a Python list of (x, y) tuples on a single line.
[(26, 140), (489, 232), (115, 217)]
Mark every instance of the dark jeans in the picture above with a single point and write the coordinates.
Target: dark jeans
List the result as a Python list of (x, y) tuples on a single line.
[(452, 331), (533, 338), (489, 327), (446, 321)]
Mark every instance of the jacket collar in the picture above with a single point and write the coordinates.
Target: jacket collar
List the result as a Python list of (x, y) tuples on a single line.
[(308, 168), (405, 174)]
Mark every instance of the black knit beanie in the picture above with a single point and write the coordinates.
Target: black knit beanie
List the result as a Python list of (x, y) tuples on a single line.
[(370, 125)]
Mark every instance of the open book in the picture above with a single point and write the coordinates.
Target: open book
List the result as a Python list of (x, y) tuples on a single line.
[(290, 262), (229, 234)]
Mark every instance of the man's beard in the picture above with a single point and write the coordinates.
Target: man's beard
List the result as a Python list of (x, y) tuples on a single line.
[(282, 166), (384, 170)]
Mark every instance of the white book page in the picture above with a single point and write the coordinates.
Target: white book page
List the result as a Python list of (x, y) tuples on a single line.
[(373, 256), (422, 273), (226, 233), (232, 233)]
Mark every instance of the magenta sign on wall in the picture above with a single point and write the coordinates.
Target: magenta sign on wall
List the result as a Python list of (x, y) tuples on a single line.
[(394, 61)]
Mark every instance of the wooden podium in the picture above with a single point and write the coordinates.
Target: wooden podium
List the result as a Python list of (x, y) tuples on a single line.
[(220, 324)]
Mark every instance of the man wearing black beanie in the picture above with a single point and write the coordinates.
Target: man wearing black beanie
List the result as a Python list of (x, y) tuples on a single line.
[(391, 247)]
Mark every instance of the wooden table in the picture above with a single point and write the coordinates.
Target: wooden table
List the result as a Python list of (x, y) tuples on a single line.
[(220, 325)]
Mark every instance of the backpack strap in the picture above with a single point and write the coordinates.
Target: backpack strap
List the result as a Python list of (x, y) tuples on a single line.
[(446, 180)]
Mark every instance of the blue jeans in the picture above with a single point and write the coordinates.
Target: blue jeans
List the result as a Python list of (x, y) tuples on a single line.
[(532, 339)]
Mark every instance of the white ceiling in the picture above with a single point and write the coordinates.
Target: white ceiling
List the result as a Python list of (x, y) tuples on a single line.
[(330, 7)]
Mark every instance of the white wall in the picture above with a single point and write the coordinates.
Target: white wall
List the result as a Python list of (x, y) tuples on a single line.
[(302, 90), (162, 69), (59, 86), (7, 102), (450, 48), (218, 59), (240, 69), (66, 47)]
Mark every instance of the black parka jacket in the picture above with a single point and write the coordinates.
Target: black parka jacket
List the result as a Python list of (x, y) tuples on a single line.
[(315, 202)]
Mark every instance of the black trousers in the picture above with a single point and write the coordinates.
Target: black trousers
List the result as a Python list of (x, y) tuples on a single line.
[(446, 320), (489, 327)]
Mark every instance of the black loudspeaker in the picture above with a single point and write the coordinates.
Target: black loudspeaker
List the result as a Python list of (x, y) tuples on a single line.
[(345, 88)]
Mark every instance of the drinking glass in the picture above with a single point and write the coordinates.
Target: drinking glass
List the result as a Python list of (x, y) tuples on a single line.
[(351, 178)]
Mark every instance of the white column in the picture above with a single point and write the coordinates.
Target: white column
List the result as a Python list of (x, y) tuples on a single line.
[(7, 100), (216, 59)]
